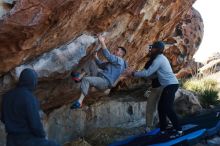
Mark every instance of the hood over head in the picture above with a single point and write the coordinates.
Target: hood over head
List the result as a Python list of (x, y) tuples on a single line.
[(28, 79)]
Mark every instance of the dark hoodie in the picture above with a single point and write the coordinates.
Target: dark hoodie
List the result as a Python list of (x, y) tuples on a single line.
[(20, 108)]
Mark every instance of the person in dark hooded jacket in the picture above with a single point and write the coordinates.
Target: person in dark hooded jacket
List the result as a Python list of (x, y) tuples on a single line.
[(20, 114)]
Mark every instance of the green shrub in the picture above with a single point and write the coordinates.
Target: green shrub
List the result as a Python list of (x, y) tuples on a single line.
[(209, 97), (205, 88)]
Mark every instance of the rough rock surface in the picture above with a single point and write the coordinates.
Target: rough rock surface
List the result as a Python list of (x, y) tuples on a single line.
[(186, 102), (54, 37), (32, 28), (64, 124)]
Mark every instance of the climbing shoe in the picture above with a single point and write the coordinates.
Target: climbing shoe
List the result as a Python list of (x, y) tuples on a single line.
[(75, 76), (76, 105)]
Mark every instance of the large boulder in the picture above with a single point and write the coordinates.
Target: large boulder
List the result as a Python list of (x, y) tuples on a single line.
[(33, 27), (64, 124), (55, 37), (186, 102)]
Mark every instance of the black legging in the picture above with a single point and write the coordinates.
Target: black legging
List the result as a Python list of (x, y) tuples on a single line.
[(165, 107)]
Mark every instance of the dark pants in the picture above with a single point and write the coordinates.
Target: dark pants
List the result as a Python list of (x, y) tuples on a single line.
[(13, 140), (165, 107)]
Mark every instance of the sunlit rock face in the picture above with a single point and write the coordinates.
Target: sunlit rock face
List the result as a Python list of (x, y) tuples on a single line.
[(34, 27), (185, 41), (189, 36), (54, 37)]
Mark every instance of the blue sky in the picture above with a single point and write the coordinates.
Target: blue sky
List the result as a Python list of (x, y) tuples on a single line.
[(210, 11)]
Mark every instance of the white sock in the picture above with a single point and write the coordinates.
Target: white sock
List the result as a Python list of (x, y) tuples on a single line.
[(81, 98)]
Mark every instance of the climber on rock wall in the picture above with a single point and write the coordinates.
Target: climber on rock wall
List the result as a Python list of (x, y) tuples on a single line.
[(110, 72)]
